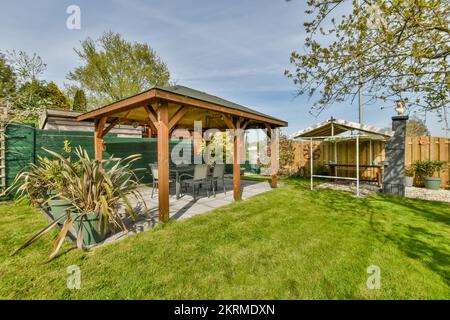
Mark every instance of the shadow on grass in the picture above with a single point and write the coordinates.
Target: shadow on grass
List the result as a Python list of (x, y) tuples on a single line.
[(431, 210), (393, 219), (416, 227)]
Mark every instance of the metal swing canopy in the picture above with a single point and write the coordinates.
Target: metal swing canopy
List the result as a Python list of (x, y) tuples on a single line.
[(166, 108), (333, 127)]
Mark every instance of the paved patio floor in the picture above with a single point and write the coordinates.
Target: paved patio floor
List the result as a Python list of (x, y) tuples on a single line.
[(185, 207)]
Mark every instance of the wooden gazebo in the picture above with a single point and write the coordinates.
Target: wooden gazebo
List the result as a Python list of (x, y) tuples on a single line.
[(164, 109)]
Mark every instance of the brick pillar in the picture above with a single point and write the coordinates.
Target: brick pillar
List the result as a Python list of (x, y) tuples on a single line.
[(394, 164)]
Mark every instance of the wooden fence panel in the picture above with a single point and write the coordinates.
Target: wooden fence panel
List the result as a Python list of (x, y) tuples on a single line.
[(429, 148), (417, 148)]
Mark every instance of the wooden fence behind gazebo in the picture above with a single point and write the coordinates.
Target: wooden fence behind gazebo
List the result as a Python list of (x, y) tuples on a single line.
[(417, 148)]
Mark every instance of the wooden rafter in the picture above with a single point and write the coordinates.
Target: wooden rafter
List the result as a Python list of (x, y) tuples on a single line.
[(152, 117), (110, 126), (181, 112), (229, 122)]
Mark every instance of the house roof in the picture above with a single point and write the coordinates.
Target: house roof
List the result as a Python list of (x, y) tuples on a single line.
[(64, 114), (333, 127), (184, 96)]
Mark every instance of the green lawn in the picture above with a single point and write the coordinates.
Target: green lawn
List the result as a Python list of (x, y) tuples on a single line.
[(290, 243)]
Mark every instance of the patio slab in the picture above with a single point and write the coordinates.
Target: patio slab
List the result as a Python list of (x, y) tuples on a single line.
[(185, 207)]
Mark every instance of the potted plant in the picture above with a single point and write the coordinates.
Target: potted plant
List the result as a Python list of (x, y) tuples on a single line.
[(426, 170), (409, 176), (96, 189), (41, 184), (54, 170)]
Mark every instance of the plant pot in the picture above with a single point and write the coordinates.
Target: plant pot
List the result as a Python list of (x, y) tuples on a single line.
[(91, 233), (58, 208), (432, 183), (409, 181)]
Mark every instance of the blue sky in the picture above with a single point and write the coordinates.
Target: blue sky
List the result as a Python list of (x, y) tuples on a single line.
[(237, 50)]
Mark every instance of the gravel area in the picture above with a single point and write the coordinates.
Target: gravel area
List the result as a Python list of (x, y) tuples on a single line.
[(426, 194), (364, 188), (411, 192)]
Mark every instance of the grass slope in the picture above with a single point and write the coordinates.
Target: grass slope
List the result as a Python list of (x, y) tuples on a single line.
[(290, 243)]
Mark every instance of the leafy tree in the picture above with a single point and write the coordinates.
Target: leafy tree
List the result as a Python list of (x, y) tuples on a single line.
[(79, 101), (56, 98), (7, 78), (286, 153), (33, 94), (29, 101), (27, 68), (114, 68), (33, 97), (392, 49), (417, 127)]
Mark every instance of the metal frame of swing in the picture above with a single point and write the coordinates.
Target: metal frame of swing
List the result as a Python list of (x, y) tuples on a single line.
[(334, 177)]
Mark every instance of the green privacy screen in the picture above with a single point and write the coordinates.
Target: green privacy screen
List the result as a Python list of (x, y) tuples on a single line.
[(24, 144)]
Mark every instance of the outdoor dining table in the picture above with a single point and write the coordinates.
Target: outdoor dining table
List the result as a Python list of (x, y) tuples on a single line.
[(178, 170)]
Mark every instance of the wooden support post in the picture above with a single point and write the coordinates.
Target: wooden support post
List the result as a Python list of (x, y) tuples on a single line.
[(274, 157), (163, 162), (98, 138), (237, 161), (273, 136)]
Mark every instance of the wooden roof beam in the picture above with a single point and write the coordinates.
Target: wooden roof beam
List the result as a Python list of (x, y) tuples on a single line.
[(152, 117), (181, 112), (229, 122), (109, 127)]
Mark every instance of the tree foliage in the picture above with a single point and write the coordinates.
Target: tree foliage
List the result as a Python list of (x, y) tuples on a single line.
[(28, 68), (29, 95), (393, 49), (114, 68), (56, 97), (7, 78), (417, 127), (286, 153), (34, 97), (79, 101)]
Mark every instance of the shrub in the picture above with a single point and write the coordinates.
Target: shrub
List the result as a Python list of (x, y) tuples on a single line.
[(427, 168), (409, 171), (39, 182)]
